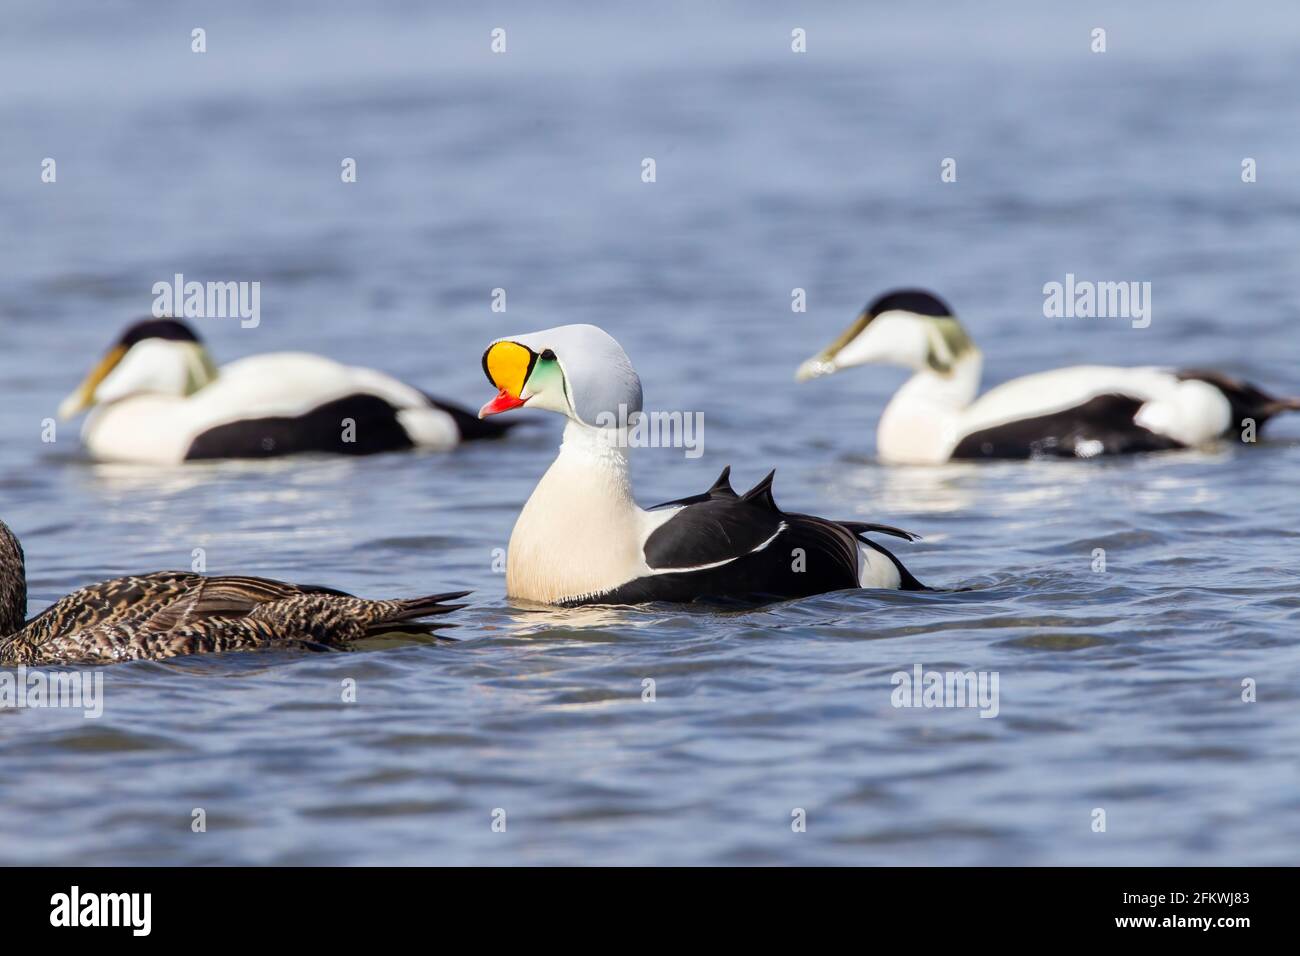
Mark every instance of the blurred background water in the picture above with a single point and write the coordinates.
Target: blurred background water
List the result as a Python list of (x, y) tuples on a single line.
[(775, 170)]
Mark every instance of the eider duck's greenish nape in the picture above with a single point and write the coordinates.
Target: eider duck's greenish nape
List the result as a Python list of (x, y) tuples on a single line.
[(1077, 412), (582, 539), (172, 613), (157, 397)]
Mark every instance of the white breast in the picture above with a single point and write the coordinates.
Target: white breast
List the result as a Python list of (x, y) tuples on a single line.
[(150, 429), (580, 533)]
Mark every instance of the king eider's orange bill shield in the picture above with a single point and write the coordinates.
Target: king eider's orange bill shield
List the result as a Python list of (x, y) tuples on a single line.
[(507, 366)]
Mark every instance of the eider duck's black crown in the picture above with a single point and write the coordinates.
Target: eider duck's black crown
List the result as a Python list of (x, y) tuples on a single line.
[(909, 300), (172, 330)]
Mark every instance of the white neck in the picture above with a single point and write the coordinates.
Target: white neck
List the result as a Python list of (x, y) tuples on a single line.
[(580, 533), (920, 425)]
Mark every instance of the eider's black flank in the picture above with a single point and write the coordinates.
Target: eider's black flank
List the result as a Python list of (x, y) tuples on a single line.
[(1107, 419), (375, 429)]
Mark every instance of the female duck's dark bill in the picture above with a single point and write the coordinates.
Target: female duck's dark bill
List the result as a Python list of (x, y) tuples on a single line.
[(507, 365)]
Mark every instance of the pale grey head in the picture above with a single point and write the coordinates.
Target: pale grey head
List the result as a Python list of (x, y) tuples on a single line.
[(579, 371)]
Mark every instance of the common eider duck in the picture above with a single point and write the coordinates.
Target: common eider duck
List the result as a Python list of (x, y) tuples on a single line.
[(581, 537), (1077, 412), (171, 613), (160, 399)]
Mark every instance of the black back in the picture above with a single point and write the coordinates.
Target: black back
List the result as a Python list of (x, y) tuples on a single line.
[(804, 555)]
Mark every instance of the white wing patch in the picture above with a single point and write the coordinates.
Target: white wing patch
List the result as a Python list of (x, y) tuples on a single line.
[(429, 428), (1191, 413), (876, 570)]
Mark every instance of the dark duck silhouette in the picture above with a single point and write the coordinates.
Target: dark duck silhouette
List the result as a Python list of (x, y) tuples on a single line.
[(172, 613)]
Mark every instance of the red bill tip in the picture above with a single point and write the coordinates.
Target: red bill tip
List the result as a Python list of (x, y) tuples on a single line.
[(502, 403)]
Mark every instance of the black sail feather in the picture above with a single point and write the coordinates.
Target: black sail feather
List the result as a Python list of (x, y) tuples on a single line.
[(761, 493), (719, 489)]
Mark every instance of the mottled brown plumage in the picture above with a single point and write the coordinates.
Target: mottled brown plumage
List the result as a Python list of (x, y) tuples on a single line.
[(170, 613)]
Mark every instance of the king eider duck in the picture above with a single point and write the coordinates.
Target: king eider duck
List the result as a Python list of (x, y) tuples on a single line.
[(1077, 412), (171, 613), (161, 400), (582, 539)]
